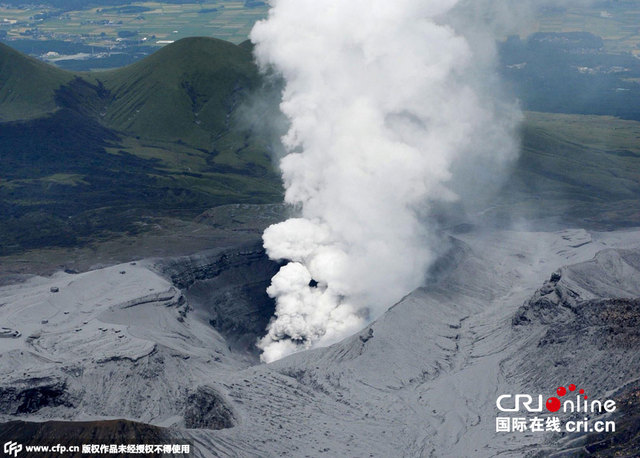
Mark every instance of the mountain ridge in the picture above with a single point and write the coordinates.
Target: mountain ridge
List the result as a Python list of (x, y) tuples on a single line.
[(27, 85), (163, 134), (194, 75)]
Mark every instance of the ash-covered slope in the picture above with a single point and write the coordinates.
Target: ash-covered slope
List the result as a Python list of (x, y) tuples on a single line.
[(127, 342), (227, 289), (115, 342), (585, 315), (424, 378), (584, 324)]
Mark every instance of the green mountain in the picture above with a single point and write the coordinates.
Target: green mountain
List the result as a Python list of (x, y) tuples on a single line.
[(85, 154), (27, 85), (185, 91)]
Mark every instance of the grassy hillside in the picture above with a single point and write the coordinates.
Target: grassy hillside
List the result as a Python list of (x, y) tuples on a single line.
[(186, 91), (27, 85), (575, 170), (87, 155)]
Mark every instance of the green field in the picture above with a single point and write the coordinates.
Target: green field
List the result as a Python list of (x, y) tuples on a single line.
[(151, 21), (617, 23), (577, 170)]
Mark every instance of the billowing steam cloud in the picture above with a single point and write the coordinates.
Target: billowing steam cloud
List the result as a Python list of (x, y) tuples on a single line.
[(390, 112)]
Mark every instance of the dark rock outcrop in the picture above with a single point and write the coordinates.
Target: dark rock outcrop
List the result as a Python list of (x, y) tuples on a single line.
[(186, 270), (227, 288), (69, 433), (31, 396), (206, 408), (583, 326), (625, 441)]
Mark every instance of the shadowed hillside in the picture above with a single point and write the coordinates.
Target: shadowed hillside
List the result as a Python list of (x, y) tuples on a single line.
[(574, 169), (86, 156), (27, 85), (186, 91), (89, 154)]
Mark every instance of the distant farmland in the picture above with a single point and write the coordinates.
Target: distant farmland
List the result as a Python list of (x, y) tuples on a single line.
[(141, 22), (616, 22)]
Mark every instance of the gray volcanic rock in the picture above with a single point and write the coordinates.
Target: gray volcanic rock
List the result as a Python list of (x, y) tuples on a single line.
[(499, 315), (585, 317), (31, 395), (124, 342), (584, 328), (184, 271), (206, 408), (422, 380), (626, 440), (227, 288), (105, 345)]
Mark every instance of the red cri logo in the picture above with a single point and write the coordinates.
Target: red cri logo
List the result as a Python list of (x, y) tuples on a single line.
[(553, 403), (579, 403)]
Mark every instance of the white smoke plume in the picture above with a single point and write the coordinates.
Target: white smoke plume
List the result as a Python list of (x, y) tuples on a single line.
[(391, 110)]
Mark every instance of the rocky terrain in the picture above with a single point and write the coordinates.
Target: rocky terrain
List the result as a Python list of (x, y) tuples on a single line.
[(227, 289), (168, 342)]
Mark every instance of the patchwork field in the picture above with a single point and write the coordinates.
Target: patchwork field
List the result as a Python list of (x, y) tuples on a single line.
[(615, 21), (144, 22)]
